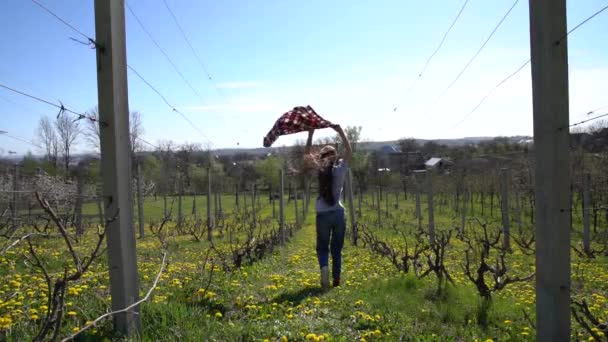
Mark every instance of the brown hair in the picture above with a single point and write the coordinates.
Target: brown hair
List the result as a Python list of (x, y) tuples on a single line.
[(325, 177)]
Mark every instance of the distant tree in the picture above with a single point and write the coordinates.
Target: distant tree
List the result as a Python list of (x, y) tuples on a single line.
[(199, 178), (408, 145), (47, 136), (151, 168), (353, 133), (93, 172), (430, 147), (268, 170), (136, 130), (68, 131), (166, 156), (185, 158), (29, 165), (92, 133)]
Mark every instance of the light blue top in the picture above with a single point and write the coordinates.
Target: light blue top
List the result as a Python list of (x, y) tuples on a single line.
[(339, 173)]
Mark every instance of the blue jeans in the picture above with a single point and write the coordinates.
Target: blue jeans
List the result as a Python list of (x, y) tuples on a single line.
[(331, 226)]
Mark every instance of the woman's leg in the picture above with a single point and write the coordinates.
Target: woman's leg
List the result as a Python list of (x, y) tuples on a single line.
[(337, 242), (323, 233)]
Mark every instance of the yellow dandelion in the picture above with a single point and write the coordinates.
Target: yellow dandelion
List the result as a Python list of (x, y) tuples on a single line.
[(311, 337), (71, 313), (218, 315)]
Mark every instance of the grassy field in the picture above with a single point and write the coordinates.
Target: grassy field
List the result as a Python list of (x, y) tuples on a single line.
[(278, 298)]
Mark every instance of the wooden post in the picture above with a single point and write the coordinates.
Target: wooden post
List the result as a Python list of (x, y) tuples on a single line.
[(245, 199), (219, 201), (378, 207), (140, 201), (463, 212), (518, 210), (387, 200), (295, 204), (586, 204), (430, 203), (504, 204), (396, 199), (253, 208), (180, 213), (113, 103), (374, 193), (236, 196), (360, 202), (472, 201), (282, 207), (351, 206), (303, 206), (418, 204), (79, 199), (15, 193), (209, 218), (307, 195), (549, 51), (216, 212), (194, 204)]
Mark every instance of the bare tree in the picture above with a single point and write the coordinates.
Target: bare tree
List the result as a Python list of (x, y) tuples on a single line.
[(49, 140), (93, 135), (136, 130), (185, 158), (68, 130), (91, 132)]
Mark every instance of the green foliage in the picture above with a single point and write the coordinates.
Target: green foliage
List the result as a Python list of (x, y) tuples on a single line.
[(151, 167), (29, 165), (268, 170), (279, 295), (199, 178)]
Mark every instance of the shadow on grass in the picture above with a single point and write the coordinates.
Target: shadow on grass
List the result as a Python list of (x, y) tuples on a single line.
[(209, 306), (297, 297)]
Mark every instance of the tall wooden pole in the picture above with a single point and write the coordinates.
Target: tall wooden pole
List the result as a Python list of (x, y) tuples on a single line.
[(113, 102), (549, 50)]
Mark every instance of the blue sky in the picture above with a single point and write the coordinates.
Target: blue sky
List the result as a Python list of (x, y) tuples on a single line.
[(351, 60)]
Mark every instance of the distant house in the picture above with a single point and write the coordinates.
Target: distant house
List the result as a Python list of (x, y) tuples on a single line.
[(441, 164), (388, 149)]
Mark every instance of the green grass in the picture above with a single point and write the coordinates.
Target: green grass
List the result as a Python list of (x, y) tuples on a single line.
[(279, 296)]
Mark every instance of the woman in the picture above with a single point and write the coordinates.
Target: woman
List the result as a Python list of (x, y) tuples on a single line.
[(331, 223)]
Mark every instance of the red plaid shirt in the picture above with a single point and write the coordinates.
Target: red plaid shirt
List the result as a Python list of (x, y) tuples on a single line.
[(296, 120)]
